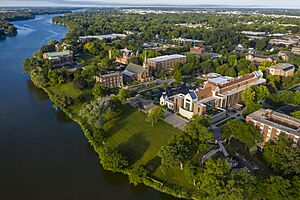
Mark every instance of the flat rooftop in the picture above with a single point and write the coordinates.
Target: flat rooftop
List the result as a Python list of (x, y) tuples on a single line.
[(221, 80), (100, 37), (282, 66), (278, 120), (110, 74), (58, 54), (165, 58)]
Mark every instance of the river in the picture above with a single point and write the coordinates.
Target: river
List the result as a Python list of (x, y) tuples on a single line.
[(44, 155)]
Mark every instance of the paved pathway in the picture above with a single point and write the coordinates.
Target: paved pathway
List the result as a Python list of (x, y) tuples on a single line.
[(216, 131), (175, 120)]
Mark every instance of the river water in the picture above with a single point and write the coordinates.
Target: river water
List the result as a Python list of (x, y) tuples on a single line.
[(44, 155)]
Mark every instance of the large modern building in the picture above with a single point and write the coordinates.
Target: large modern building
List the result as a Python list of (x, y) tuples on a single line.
[(217, 93), (282, 69), (111, 80), (271, 124), (59, 58), (165, 62)]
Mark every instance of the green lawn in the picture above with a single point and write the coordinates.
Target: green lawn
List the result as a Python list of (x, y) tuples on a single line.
[(66, 89), (84, 57), (136, 138), (175, 176)]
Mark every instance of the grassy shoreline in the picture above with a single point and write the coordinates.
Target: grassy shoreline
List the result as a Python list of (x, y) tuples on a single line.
[(150, 181)]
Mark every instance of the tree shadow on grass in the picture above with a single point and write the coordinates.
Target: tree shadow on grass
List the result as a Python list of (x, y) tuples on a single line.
[(153, 164), (134, 148), (117, 122)]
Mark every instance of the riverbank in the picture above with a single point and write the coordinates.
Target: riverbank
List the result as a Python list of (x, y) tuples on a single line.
[(150, 180), (7, 29)]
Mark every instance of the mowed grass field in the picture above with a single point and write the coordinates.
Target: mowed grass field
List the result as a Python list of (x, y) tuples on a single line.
[(66, 89), (134, 136)]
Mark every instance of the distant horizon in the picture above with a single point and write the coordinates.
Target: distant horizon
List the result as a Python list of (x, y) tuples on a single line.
[(275, 4)]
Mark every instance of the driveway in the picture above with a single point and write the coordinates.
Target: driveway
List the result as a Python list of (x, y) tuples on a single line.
[(175, 120)]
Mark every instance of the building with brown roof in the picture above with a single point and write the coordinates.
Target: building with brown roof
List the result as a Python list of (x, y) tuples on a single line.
[(197, 50), (271, 124), (136, 72), (220, 92), (111, 80), (282, 69)]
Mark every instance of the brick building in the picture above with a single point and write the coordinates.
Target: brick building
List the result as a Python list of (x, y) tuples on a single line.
[(165, 62), (282, 69), (220, 92), (59, 58), (271, 124), (125, 56), (258, 58), (111, 80), (136, 72)]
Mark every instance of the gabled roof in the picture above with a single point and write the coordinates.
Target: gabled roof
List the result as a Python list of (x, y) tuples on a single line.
[(128, 73), (136, 69), (204, 93), (193, 95)]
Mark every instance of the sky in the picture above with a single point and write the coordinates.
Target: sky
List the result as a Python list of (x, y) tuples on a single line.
[(250, 3)]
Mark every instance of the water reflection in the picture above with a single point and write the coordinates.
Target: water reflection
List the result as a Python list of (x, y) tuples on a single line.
[(62, 117), (39, 93)]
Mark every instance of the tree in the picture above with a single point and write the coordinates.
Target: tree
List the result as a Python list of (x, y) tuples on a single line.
[(296, 114), (197, 129), (282, 157), (176, 152), (155, 114), (111, 159), (261, 44), (61, 101), (137, 174), (39, 78), (261, 92), (99, 90), (248, 96), (177, 75), (245, 133), (211, 179), (123, 95), (232, 60), (276, 187)]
